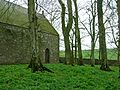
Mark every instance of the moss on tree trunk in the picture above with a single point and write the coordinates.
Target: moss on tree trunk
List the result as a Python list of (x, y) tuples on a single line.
[(118, 9), (102, 41), (35, 63)]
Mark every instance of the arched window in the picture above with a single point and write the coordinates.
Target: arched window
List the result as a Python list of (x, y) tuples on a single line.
[(47, 55)]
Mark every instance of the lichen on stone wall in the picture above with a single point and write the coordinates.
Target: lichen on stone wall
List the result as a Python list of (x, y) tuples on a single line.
[(15, 45)]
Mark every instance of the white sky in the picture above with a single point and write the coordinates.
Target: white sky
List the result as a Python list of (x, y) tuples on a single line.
[(86, 42)]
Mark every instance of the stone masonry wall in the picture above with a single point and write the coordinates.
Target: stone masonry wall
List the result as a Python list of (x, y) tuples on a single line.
[(15, 46), (51, 42)]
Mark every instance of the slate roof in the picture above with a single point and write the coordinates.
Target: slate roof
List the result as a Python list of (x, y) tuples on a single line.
[(17, 15)]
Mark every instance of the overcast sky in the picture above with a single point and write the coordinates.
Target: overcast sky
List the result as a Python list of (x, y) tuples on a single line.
[(86, 42)]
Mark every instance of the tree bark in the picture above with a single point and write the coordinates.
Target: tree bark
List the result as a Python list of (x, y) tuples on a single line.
[(93, 6), (35, 63), (118, 9), (102, 41), (66, 29), (80, 59), (72, 47), (92, 57), (75, 48)]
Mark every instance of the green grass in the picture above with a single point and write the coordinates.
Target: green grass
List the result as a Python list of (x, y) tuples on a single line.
[(112, 54), (66, 77)]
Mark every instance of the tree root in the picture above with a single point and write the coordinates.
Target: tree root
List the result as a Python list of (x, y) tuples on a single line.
[(105, 68), (81, 64), (119, 77), (92, 65), (38, 67)]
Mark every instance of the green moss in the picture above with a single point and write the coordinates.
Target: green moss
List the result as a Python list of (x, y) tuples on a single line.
[(14, 14)]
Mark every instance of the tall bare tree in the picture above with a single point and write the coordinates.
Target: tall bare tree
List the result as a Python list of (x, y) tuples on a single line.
[(35, 63), (66, 28), (92, 30), (118, 9), (80, 59), (93, 37), (90, 27), (102, 41)]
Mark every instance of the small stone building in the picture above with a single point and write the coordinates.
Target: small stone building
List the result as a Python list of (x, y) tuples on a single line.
[(15, 43)]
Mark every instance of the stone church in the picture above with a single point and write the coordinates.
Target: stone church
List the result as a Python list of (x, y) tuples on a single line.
[(15, 43)]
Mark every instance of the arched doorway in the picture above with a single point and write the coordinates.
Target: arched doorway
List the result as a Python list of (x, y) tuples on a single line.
[(47, 55)]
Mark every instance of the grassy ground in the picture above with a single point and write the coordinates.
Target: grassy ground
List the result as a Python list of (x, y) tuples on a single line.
[(18, 77), (112, 54)]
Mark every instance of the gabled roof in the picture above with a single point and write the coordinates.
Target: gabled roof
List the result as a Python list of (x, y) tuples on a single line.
[(14, 14)]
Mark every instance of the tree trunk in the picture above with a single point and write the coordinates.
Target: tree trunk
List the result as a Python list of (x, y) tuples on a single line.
[(66, 29), (80, 59), (63, 23), (118, 9), (93, 6), (75, 48), (68, 52), (69, 27), (35, 63), (72, 46), (92, 57), (102, 41), (72, 49)]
